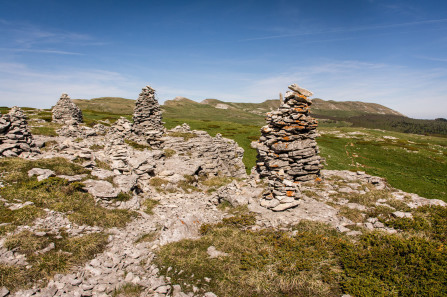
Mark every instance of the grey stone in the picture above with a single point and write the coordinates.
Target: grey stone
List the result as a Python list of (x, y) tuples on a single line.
[(4, 292), (401, 214), (296, 88), (214, 253), (66, 111), (101, 189), (284, 206), (41, 173)]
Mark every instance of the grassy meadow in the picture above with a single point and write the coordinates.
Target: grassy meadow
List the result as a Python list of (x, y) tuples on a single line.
[(411, 162)]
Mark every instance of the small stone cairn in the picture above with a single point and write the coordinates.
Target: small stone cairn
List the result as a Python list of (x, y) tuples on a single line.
[(65, 111), (287, 150), (147, 118), (15, 137)]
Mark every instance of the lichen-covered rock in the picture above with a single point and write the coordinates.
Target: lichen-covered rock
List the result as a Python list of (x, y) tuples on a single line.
[(147, 118), (73, 129), (15, 137), (198, 153), (66, 111), (287, 150)]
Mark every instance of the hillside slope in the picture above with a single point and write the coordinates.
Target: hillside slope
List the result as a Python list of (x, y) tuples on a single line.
[(116, 105), (321, 107)]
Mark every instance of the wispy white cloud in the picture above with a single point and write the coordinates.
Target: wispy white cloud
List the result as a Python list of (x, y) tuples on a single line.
[(25, 37), (41, 51), (432, 58), (416, 93), (22, 86), (345, 30)]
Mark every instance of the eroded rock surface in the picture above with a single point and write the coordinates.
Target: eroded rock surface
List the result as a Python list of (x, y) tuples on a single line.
[(196, 152)]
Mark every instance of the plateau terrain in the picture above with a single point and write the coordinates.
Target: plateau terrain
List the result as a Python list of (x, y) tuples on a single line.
[(121, 197)]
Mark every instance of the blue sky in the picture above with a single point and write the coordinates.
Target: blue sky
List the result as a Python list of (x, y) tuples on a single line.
[(389, 52)]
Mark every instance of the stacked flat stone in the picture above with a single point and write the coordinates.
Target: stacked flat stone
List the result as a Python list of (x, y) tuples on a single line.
[(147, 118), (15, 137), (287, 150), (66, 111)]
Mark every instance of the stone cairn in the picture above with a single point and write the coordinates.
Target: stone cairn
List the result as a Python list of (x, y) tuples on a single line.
[(147, 122), (287, 150), (15, 137), (66, 112)]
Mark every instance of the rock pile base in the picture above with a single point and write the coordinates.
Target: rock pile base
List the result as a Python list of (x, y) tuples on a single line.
[(287, 150), (147, 122), (72, 129), (207, 155), (66, 111), (15, 137)]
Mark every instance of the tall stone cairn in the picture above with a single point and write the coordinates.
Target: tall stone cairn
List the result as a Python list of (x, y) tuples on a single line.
[(147, 118), (287, 150), (65, 111), (15, 137)]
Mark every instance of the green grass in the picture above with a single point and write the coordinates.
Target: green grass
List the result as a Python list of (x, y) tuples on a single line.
[(414, 163), (57, 193), (408, 163), (46, 129), (22, 216), (315, 261), (149, 205), (107, 105), (68, 252), (102, 165), (92, 117), (137, 146), (169, 153)]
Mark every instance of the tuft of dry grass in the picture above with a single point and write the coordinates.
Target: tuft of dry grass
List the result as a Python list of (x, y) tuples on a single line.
[(169, 153), (149, 205), (137, 146), (185, 135), (259, 263), (128, 290), (352, 214)]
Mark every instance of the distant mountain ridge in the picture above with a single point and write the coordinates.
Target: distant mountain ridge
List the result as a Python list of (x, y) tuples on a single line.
[(319, 107), (118, 105)]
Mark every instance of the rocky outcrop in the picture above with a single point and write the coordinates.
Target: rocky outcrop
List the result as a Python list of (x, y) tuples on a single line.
[(73, 129), (147, 122), (197, 153), (15, 137), (66, 111), (121, 128), (287, 150)]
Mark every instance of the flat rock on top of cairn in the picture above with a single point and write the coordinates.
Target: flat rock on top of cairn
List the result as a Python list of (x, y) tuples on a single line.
[(65, 111), (304, 92), (147, 117), (287, 150)]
